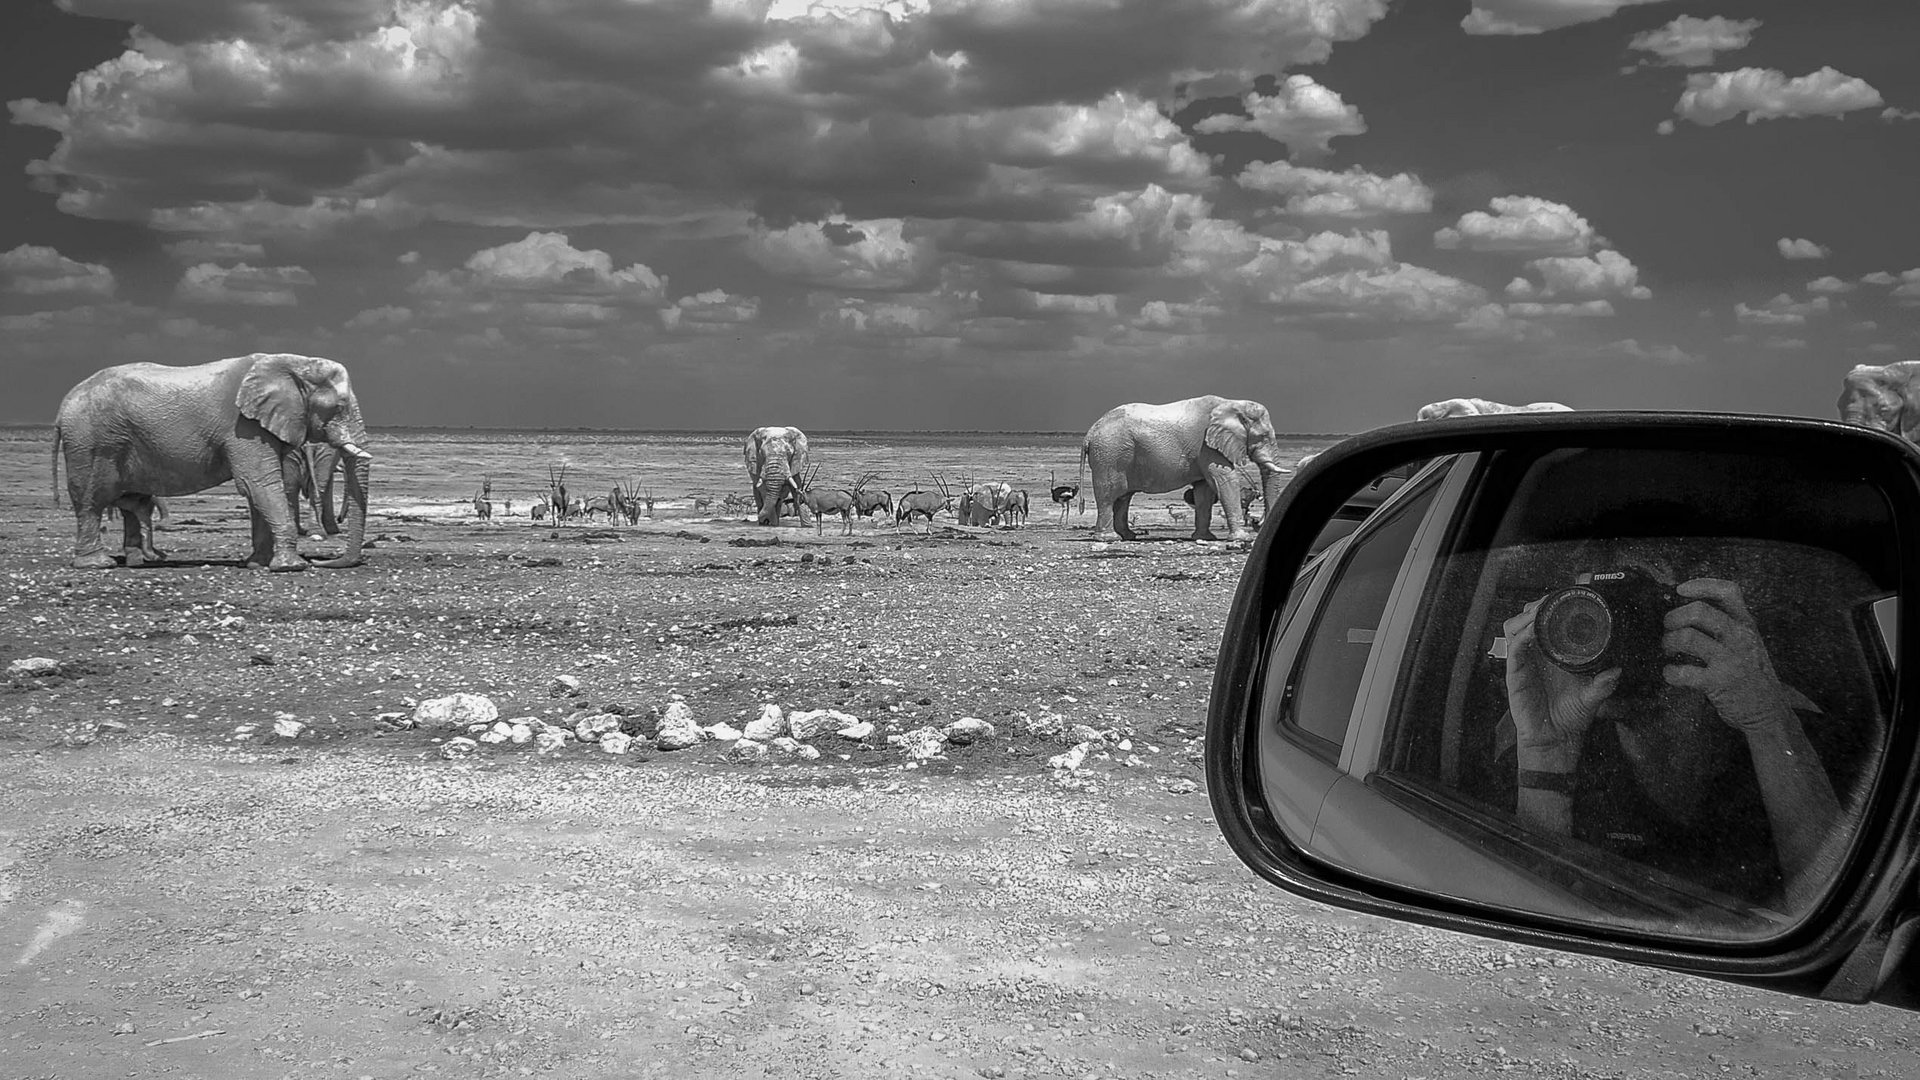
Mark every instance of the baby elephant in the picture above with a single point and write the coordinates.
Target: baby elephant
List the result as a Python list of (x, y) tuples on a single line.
[(137, 515)]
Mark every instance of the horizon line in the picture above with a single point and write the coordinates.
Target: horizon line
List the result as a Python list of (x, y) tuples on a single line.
[(28, 424)]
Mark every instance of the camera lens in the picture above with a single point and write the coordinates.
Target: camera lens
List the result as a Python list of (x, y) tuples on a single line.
[(1574, 628)]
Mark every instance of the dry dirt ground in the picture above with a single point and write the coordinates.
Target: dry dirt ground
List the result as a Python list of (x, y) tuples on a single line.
[(177, 900)]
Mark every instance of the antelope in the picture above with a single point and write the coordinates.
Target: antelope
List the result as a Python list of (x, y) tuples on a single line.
[(824, 501), (924, 503), (984, 503), (866, 502), (1017, 506)]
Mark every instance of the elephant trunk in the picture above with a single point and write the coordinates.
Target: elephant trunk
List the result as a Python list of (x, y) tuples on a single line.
[(1272, 478), (345, 434), (773, 491)]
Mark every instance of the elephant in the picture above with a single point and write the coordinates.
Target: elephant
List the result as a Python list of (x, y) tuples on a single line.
[(1200, 441), (1886, 397), (777, 468), (1473, 406), (157, 430)]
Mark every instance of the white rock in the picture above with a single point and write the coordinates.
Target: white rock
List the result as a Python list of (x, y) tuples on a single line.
[(965, 730), (34, 665), (856, 731), (1081, 733), (564, 686), (769, 725), (597, 726), (678, 736), (747, 750), (810, 724), (455, 711), (722, 732), (288, 728), (615, 742), (1070, 760), (921, 743), (458, 747)]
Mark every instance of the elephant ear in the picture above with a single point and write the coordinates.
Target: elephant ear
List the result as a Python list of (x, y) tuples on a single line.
[(277, 389), (1227, 432)]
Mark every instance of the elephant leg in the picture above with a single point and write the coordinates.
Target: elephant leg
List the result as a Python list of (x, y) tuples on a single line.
[(1121, 528), (88, 553), (1225, 483), (133, 542), (1204, 497), (275, 545)]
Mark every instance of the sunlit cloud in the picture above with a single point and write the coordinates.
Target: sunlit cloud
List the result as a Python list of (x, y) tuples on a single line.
[(1302, 114), (33, 270), (1354, 193), (1538, 16), (257, 286), (1764, 94), (1692, 42), (1520, 224), (1801, 249)]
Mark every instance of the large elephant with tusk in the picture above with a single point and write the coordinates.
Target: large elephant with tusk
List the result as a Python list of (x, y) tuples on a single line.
[(156, 430), (776, 460), (1201, 441)]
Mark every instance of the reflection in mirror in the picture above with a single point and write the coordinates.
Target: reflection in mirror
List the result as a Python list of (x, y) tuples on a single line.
[(1643, 689)]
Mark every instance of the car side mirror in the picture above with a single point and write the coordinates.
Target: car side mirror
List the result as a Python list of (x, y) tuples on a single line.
[(1623, 684)]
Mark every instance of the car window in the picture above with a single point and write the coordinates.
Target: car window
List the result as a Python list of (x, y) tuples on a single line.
[(1616, 686), (1320, 700)]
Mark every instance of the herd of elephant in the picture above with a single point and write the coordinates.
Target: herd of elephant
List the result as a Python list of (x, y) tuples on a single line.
[(280, 425)]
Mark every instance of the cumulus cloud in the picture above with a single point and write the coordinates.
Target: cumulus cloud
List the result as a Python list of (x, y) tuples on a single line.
[(1538, 16), (1521, 224), (715, 311), (1657, 352), (1301, 113), (1801, 249), (1604, 274), (1765, 94), (1691, 42), (879, 254), (32, 270), (384, 317), (1782, 310), (545, 268), (1586, 309), (201, 249), (1403, 293), (1354, 193), (262, 286), (110, 316)]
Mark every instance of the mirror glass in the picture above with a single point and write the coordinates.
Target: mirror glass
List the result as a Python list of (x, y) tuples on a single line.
[(1625, 688)]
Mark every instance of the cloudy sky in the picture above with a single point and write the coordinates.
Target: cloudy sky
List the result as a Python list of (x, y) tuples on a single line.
[(986, 214)]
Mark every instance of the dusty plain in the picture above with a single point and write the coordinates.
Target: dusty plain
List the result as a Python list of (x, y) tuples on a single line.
[(179, 900)]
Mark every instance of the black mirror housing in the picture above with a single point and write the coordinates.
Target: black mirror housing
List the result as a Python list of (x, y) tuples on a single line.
[(1848, 944)]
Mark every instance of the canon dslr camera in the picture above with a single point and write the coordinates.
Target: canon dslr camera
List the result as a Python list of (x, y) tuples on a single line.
[(1615, 618)]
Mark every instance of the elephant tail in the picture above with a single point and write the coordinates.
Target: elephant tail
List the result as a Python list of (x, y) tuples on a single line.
[(58, 438)]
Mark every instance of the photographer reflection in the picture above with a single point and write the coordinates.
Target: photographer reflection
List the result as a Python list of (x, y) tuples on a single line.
[(1648, 720)]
